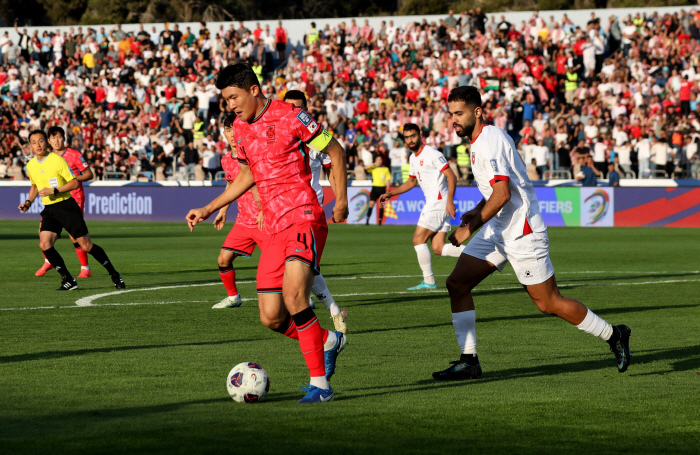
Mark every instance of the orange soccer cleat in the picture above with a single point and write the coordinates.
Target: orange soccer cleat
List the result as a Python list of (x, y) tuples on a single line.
[(44, 268), (85, 273)]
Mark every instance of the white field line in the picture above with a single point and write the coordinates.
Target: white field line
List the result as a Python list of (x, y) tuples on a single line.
[(355, 294)]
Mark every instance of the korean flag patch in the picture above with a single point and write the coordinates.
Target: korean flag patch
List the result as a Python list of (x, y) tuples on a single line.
[(494, 165)]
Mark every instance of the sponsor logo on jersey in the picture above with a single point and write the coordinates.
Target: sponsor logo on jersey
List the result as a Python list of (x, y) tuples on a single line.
[(304, 118), (53, 182)]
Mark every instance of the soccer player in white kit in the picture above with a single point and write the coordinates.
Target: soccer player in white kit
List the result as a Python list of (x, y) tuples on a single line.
[(516, 233), (429, 169), (317, 162)]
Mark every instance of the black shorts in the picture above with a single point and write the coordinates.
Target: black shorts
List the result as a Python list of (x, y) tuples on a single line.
[(64, 215), (376, 192), (281, 46)]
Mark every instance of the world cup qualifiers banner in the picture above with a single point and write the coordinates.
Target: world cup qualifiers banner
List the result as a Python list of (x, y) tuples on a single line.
[(560, 206)]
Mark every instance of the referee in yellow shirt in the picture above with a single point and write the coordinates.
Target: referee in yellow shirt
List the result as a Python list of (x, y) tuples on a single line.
[(381, 183), (52, 174)]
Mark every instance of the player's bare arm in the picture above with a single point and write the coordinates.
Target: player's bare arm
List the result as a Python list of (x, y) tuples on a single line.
[(220, 219), (70, 186), (33, 192), (451, 188), (244, 181), (336, 153), (85, 176), (408, 185), (499, 198)]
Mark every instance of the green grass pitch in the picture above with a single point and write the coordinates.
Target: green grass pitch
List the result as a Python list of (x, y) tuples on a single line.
[(144, 371)]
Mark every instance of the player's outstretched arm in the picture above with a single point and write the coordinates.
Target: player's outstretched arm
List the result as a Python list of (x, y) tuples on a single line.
[(336, 153), (405, 186), (33, 193), (499, 198), (244, 181), (451, 188)]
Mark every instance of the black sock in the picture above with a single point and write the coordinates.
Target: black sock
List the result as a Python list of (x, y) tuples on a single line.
[(56, 261), (615, 337), (76, 245), (303, 317), (369, 215), (381, 215), (469, 359), (284, 326), (101, 257)]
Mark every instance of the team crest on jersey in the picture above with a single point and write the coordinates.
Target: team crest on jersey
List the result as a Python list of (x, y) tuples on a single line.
[(473, 158), (270, 133), (421, 163), (494, 165)]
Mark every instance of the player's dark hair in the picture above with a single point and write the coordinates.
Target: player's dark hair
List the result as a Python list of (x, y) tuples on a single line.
[(295, 95), (239, 75), (469, 95), (33, 132), (54, 130), (411, 127), (228, 121)]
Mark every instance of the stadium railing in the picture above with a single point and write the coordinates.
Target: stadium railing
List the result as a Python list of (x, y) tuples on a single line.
[(658, 174), (558, 174), (113, 175), (220, 176), (630, 173)]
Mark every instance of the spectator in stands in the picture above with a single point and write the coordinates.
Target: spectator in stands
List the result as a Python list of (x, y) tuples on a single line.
[(588, 174), (532, 172), (613, 175)]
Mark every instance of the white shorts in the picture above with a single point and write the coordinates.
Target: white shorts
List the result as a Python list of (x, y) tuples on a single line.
[(529, 255), (435, 221)]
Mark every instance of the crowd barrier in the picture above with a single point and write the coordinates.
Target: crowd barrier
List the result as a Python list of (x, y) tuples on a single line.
[(560, 205)]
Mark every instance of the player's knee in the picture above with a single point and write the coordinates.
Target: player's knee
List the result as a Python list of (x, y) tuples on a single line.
[(271, 322), (437, 248), (457, 286), (225, 260), (44, 245), (545, 305), (86, 245)]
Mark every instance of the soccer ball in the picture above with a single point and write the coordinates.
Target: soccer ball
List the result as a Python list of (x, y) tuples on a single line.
[(248, 382)]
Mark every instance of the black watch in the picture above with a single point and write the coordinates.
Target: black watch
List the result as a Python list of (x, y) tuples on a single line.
[(55, 191)]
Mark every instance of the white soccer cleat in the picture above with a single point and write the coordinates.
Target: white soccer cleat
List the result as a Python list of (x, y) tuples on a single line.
[(230, 302), (339, 321), (312, 304)]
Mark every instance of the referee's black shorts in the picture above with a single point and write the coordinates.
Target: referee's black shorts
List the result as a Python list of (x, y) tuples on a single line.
[(64, 215), (376, 192)]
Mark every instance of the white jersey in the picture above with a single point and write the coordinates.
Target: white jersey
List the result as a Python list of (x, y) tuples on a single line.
[(494, 158), (317, 160), (426, 166)]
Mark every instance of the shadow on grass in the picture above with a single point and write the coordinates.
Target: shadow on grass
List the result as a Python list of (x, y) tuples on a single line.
[(50, 355), (680, 359)]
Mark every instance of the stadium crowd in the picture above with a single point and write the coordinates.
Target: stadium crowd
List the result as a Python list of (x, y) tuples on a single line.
[(144, 104)]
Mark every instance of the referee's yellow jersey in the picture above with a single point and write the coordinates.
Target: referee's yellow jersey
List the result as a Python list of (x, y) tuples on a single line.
[(380, 175), (51, 172)]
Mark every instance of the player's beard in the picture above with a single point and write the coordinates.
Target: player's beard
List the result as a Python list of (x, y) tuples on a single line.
[(465, 130), (417, 146)]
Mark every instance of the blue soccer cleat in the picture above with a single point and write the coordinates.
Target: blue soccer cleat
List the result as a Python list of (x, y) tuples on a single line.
[(423, 286), (316, 395), (330, 356)]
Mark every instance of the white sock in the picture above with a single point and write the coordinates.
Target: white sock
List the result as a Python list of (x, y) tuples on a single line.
[(320, 290), (47, 261), (450, 250), (595, 326), (465, 329), (425, 261), (330, 342), (85, 267), (319, 381)]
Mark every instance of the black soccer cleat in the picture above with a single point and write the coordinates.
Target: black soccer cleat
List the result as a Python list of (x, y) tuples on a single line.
[(621, 347), (458, 371), (118, 282), (68, 285)]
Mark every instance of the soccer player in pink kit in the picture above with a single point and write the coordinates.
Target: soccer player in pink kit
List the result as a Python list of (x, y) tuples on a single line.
[(270, 135), (82, 172), (515, 233), (245, 234)]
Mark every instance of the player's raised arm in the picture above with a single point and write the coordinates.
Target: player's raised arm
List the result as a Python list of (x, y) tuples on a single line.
[(244, 181), (336, 153), (451, 188), (404, 187)]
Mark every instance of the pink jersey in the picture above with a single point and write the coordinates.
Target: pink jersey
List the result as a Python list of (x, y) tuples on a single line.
[(78, 165), (247, 208), (272, 144)]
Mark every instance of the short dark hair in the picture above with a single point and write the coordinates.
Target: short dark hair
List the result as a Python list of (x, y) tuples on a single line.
[(33, 132), (468, 94), (54, 130), (228, 121), (411, 127), (239, 75), (295, 95)]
